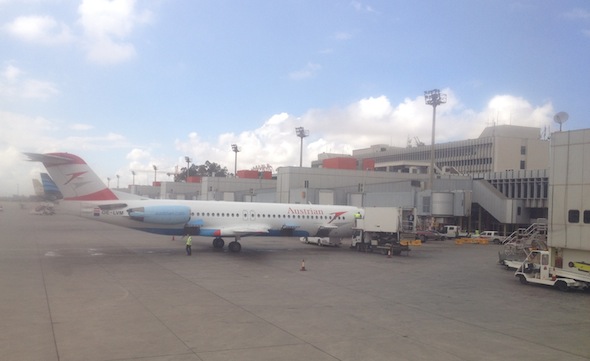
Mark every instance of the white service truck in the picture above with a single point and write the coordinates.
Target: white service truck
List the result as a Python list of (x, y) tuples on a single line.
[(539, 267), (491, 236), (388, 230), (453, 232)]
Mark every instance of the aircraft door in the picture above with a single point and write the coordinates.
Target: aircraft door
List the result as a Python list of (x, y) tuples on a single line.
[(248, 215)]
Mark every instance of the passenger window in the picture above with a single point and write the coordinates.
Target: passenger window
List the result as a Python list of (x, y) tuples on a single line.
[(586, 217)]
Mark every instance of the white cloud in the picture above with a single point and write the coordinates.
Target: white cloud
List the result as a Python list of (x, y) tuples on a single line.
[(372, 108), (81, 127), (106, 51), (342, 35), (362, 7), (37, 89), (508, 109), (107, 26), (578, 13), (11, 73), (39, 29), (307, 72), (97, 142), (15, 84)]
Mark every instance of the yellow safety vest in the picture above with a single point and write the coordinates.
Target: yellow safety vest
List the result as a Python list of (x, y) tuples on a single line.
[(189, 241)]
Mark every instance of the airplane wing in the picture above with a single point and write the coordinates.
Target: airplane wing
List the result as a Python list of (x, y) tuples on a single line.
[(242, 230)]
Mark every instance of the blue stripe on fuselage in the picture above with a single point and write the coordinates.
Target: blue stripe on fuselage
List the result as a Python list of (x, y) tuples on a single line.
[(211, 232)]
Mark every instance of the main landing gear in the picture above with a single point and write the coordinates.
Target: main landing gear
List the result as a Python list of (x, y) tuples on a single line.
[(233, 246)]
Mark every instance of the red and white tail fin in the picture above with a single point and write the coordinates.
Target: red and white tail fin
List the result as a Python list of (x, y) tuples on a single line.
[(74, 178)]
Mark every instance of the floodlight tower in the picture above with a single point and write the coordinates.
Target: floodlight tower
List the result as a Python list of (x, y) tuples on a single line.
[(108, 182), (155, 172), (434, 98), (118, 177), (133, 173), (188, 165), (235, 149), (301, 133)]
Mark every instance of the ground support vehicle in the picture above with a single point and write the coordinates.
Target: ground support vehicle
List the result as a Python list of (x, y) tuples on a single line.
[(426, 236), (383, 229), (517, 246), (537, 268), (454, 232), (491, 236), (322, 241), (43, 209)]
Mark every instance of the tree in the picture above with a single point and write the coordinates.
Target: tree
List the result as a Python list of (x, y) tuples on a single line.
[(209, 169)]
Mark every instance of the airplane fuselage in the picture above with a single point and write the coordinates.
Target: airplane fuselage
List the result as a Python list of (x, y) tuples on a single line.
[(218, 218)]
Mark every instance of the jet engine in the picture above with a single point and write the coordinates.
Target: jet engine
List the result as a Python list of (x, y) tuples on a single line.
[(161, 214)]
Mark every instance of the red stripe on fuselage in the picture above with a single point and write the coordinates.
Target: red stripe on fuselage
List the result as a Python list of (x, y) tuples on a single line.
[(103, 195)]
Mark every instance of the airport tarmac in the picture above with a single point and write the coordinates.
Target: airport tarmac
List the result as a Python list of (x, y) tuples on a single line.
[(74, 289)]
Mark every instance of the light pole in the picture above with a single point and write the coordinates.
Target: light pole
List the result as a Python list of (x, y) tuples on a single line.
[(301, 133), (434, 98), (155, 172), (235, 149), (188, 165), (117, 181), (133, 173), (108, 182)]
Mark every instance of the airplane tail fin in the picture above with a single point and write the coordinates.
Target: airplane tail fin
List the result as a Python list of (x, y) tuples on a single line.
[(50, 189), (74, 178), (38, 187)]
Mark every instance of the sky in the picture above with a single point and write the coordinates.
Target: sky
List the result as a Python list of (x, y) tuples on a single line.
[(129, 84)]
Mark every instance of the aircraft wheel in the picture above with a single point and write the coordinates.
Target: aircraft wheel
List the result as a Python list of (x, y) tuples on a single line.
[(522, 279), (218, 243), (234, 247)]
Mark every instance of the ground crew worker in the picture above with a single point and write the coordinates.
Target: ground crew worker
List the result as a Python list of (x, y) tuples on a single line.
[(189, 243), (411, 220)]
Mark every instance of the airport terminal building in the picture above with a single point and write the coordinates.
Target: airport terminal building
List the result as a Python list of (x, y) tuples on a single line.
[(498, 181)]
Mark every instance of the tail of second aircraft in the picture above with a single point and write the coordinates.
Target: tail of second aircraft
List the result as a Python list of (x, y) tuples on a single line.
[(73, 177)]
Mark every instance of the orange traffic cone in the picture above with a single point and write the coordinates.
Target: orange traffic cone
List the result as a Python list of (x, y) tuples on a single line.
[(302, 265)]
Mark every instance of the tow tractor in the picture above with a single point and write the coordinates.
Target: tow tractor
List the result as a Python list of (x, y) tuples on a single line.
[(537, 269)]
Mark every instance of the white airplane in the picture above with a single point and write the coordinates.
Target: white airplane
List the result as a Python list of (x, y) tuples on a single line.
[(86, 195)]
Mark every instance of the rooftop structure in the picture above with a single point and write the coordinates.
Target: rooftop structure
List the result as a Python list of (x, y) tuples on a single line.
[(498, 148)]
